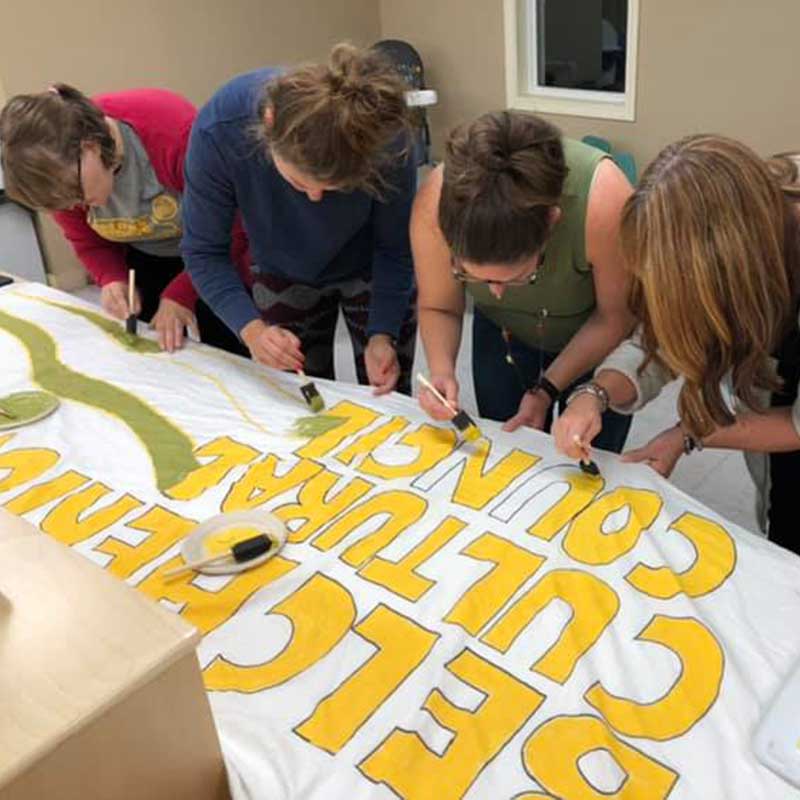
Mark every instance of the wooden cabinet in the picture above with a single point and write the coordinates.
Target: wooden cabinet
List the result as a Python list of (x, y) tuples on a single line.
[(101, 694)]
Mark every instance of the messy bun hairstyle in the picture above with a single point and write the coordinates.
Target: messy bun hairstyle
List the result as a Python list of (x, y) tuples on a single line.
[(502, 175), (784, 168), (336, 122)]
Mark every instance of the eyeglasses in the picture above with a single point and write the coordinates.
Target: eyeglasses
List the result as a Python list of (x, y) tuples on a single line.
[(81, 194), (460, 274)]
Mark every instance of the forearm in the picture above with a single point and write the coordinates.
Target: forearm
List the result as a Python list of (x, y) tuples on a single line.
[(596, 338), (621, 392), (770, 432), (216, 280), (441, 337), (181, 290)]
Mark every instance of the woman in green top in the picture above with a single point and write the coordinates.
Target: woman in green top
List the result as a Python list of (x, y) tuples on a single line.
[(527, 223)]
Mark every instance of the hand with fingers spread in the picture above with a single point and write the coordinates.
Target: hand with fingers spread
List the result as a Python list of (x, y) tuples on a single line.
[(383, 367), (532, 411), (273, 345), (661, 453), (114, 300), (447, 386), (578, 425), (170, 322)]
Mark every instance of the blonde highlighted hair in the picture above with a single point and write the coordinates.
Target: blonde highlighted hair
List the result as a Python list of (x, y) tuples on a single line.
[(711, 238)]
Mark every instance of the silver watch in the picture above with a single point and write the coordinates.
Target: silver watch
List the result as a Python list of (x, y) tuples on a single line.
[(594, 389)]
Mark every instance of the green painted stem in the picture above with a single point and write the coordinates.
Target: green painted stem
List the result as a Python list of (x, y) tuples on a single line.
[(116, 331), (169, 448)]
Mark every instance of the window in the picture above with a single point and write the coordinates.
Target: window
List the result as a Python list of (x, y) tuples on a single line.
[(572, 56)]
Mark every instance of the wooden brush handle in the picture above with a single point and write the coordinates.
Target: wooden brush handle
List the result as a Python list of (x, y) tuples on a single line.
[(435, 392), (131, 289), (193, 566), (584, 448)]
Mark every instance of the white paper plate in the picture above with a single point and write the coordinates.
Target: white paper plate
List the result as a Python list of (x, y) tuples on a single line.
[(47, 403), (193, 546)]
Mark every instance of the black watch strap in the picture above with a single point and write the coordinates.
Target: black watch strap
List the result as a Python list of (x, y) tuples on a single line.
[(548, 387)]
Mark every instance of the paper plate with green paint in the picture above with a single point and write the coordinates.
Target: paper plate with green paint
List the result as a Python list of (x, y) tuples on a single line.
[(23, 408)]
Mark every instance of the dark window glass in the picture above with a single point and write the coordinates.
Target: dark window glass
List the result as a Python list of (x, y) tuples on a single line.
[(582, 44)]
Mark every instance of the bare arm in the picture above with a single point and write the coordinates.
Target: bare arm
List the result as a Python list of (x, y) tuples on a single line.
[(611, 320), (441, 299), (772, 431)]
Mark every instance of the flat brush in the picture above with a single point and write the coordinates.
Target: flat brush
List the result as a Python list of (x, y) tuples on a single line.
[(586, 464), (460, 419), (311, 394), (131, 322), (241, 552)]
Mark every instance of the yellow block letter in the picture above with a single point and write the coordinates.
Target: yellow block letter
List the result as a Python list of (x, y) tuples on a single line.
[(688, 700), (402, 647), (552, 753), (587, 541), (411, 770)]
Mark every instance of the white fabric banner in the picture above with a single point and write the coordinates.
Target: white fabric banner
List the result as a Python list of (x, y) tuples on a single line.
[(446, 620)]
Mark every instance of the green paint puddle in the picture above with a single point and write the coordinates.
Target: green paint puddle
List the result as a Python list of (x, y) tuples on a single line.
[(22, 408), (319, 424), (114, 329), (169, 448)]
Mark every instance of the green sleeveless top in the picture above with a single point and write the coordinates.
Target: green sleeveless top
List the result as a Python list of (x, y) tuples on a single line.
[(547, 313)]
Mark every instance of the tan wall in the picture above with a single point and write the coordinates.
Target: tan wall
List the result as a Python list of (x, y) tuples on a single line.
[(191, 46), (703, 66)]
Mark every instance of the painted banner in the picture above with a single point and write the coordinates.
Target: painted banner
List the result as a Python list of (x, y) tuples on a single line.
[(446, 620)]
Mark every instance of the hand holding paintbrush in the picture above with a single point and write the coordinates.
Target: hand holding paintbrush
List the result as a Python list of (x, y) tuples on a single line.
[(460, 419), (279, 348), (586, 464)]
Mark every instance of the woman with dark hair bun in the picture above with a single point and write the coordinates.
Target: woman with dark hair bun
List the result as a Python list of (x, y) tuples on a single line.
[(526, 222), (315, 160)]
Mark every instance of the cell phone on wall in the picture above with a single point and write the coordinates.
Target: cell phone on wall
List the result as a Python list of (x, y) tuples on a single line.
[(5, 280)]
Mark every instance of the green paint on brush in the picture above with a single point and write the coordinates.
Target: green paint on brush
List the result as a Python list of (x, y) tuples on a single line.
[(169, 448), (114, 329), (319, 424), (22, 408)]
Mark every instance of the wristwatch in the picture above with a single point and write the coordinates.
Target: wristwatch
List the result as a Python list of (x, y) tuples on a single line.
[(594, 389), (548, 387), (690, 444)]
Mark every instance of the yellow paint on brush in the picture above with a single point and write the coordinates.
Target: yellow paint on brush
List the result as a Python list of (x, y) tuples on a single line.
[(472, 434), (221, 542)]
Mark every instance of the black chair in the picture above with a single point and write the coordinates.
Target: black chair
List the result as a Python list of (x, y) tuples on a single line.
[(409, 64)]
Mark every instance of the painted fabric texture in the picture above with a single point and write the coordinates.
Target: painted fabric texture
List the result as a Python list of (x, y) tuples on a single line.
[(446, 620)]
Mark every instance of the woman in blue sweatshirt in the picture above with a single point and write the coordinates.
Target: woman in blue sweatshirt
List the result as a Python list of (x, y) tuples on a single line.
[(314, 161)]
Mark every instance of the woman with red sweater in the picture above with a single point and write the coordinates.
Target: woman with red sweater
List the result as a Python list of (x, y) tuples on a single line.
[(110, 169)]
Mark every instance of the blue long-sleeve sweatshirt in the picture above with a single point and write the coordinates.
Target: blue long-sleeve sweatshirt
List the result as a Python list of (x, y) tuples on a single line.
[(344, 235)]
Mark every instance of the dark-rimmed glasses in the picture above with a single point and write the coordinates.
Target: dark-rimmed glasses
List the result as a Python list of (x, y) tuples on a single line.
[(81, 193), (460, 274)]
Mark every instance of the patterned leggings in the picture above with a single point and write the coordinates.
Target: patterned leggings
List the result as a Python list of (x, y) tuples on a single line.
[(311, 312)]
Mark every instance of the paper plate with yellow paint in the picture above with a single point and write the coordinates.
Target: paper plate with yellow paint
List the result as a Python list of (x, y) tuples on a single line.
[(219, 534), (23, 408)]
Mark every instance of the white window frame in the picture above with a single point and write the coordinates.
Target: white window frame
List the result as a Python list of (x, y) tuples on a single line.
[(521, 37)]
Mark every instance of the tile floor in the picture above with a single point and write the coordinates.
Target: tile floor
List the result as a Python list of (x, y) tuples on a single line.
[(717, 478)]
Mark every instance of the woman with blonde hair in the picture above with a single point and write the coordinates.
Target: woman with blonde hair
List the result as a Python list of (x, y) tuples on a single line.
[(315, 160), (712, 239)]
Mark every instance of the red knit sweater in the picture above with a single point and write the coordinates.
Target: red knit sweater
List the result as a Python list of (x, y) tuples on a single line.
[(162, 121)]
